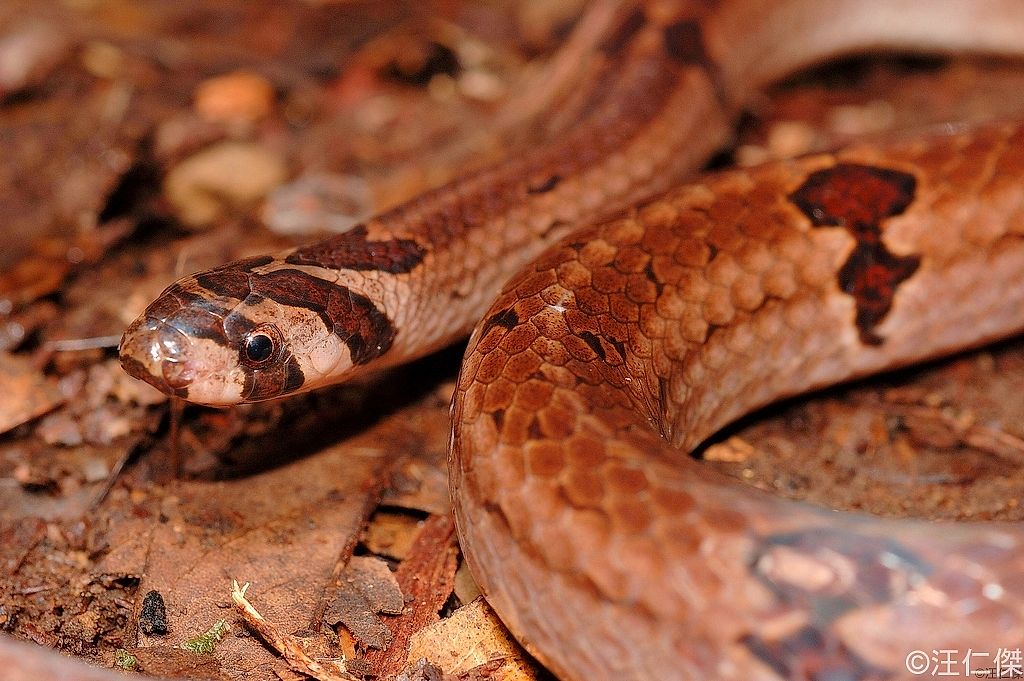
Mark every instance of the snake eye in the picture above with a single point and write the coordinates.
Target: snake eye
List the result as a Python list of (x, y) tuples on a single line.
[(260, 346)]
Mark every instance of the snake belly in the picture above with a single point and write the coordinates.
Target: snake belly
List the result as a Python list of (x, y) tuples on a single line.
[(606, 550)]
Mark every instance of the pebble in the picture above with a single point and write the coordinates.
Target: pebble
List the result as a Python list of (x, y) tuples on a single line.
[(318, 202), (225, 177), (29, 54), (237, 97)]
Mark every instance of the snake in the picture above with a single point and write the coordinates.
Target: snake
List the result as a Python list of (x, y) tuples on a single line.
[(623, 309)]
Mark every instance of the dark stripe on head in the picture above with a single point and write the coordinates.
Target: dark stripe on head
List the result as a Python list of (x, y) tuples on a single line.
[(138, 370), (353, 318), (351, 251), (232, 280), (281, 378), (190, 312), (227, 282), (860, 198)]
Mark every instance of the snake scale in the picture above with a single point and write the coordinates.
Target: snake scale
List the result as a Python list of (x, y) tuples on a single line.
[(607, 551)]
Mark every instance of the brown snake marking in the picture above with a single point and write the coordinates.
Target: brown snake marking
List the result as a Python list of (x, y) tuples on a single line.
[(861, 198), (607, 551), (352, 251)]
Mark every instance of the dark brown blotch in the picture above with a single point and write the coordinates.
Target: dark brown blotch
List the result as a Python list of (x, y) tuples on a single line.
[(594, 342), (653, 277), (498, 416), (352, 251), (534, 430), (506, 319), (619, 345), (871, 275), (854, 196), (860, 198)]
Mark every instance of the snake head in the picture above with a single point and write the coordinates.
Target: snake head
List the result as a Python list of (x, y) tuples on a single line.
[(249, 331)]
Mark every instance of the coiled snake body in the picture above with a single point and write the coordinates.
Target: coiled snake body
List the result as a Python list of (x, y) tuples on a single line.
[(606, 550)]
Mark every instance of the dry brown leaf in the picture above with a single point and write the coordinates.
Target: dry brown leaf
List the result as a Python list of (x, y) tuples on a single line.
[(733, 450), (392, 534), (472, 636), (25, 392), (366, 588), (282, 530)]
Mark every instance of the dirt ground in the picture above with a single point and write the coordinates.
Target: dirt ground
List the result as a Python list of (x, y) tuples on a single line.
[(145, 140)]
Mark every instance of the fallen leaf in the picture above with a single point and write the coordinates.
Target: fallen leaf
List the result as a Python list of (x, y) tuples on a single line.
[(366, 588), (472, 636), (25, 392)]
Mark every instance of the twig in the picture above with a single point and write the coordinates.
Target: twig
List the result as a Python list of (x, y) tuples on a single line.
[(285, 645)]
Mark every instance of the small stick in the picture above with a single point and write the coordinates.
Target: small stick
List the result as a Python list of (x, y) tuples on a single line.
[(285, 645)]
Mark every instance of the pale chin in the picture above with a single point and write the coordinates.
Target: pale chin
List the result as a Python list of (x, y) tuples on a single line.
[(223, 393)]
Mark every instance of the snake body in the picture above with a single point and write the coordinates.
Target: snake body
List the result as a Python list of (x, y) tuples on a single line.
[(602, 545)]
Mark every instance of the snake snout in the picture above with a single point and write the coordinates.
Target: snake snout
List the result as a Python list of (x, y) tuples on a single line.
[(151, 351)]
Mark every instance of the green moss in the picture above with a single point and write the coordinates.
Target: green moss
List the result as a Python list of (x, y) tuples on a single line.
[(206, 642)]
